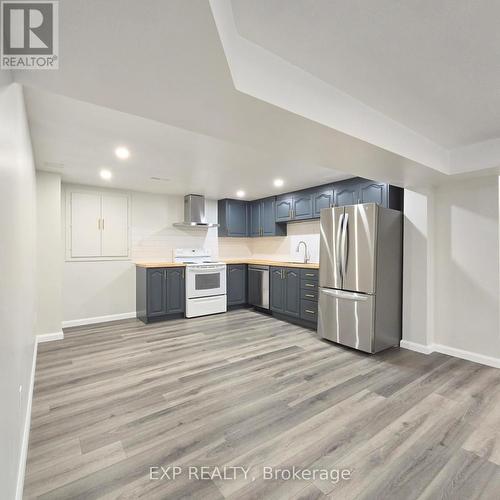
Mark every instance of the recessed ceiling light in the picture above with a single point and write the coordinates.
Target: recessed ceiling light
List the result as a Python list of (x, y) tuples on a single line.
[(106, 174), (278, 182), (240, 193), (122, 152)]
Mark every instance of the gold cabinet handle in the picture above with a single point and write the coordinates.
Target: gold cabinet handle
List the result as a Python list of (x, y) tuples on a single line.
[(309, 295), (309, 285), (309, 274)]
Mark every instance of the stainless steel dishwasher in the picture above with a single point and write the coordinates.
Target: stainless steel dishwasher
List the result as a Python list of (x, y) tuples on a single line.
[(258, 286)]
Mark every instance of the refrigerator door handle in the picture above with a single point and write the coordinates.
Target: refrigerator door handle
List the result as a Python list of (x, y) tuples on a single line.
[(345, 244), (338, 253), (345, 295)]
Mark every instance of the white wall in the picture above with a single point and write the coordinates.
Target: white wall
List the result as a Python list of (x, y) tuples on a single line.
[(451, 292), (103, 290), (284, 247), (17, 282), (49, 247), (418, 267), (467, 266)]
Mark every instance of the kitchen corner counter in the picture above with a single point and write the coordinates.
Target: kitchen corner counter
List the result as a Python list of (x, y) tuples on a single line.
[(159, 264), (264, 262)]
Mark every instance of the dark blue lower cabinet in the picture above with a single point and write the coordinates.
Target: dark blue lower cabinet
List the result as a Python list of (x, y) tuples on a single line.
[(176, 295), (160, 293), (285, 292), (236, 284), (292, 291), (277, 290)]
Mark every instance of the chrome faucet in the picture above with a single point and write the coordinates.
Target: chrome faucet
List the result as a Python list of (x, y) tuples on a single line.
[(306, 255)]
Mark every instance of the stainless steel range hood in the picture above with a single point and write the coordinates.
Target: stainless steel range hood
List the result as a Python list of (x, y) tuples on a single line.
[(194, 213)]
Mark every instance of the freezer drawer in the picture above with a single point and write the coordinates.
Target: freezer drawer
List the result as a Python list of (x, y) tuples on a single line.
[(347, 318)]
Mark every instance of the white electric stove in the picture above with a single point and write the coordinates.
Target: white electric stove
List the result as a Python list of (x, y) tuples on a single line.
[(205, 282)]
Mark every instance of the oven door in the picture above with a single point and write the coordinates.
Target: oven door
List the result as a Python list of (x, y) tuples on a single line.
[(205, 281)]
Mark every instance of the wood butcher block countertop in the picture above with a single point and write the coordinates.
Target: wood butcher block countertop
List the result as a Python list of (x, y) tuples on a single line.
[(261, 262), (264, 262)]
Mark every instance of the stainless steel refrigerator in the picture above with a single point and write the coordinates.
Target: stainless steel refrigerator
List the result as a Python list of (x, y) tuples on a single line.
[(360, 276)]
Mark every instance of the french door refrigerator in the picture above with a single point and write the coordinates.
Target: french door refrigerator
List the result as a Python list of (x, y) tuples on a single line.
[(360, 276)]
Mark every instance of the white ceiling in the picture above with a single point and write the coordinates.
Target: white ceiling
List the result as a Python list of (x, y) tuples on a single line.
[(432, 66), (78, 139), (156, 78)]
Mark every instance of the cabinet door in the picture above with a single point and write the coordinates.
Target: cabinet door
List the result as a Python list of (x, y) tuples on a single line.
[(322, 198), (277, 296), (114, 225), (346, 193), (156, 292), (175, 290), (292, 292), (236, 284), (85, 225), (302, 206), (237, 220), (268, 217), (284, 208), (255, 218), (373, 192)]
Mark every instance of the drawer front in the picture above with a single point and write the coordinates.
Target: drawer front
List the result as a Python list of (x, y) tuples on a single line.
[(309, 274), (309, 285), (309, 310), (309, 295)]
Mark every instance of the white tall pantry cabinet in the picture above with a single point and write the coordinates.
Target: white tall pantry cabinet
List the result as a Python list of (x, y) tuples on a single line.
[(98, 225)]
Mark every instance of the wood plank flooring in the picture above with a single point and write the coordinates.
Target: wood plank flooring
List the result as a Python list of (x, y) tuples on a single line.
[(243, 389)]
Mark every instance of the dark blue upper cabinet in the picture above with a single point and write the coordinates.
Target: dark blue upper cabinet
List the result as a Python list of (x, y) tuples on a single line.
[(358, 190), (302, 207), (346, 192), (255, 218), (322, 198), (239, 218), (268, 219), (284, 205), (373, 192), (233, 218)]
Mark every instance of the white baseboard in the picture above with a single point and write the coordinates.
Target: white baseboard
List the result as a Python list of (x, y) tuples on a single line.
[(451, 351), (468, 355), (413, 346), (26, 431), (47, 337), (98, 319)]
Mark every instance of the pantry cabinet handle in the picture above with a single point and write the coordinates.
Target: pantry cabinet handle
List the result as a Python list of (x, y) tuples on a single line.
[(309, 295), (309, 285), (310, 312)]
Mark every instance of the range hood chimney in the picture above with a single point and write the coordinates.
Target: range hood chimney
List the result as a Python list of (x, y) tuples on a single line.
[(194, 213)]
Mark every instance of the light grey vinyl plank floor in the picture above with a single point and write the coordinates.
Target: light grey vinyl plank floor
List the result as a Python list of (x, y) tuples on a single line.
[(244, 389)]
